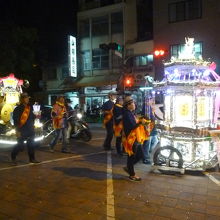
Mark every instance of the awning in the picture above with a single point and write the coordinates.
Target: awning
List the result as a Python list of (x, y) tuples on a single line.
[(95, 81)]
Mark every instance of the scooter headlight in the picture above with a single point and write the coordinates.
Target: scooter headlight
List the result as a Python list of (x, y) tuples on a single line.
[(79, 115), (38, 124)]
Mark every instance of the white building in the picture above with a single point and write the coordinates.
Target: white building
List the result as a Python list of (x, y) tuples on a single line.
[(54, 78), (111, 21), (199, 19), (127, 23)]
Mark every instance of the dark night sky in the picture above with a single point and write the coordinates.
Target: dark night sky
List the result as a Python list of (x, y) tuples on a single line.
[(54, 19)]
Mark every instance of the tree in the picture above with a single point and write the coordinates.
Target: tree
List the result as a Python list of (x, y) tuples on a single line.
[(17, 51)]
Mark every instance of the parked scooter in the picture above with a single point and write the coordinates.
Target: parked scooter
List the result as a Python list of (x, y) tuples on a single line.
[(79, 128)]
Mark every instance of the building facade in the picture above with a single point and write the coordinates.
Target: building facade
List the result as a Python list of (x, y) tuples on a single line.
[(115, 21), (176, 19), (54, 83)]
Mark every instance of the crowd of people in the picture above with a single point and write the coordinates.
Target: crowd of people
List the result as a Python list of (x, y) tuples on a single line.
[(135, 135), (24, 118)]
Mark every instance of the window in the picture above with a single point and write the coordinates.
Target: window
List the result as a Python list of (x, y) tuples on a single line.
[(198, 49), (84, 28), (52, 74), (100, 26), (193, 9), (143, 60), (178, 48), (86, 60), (185, 10), (117, 22), (144, 10), (100, 59)]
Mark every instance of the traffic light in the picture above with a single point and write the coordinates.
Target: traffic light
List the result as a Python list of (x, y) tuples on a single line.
[(159, 53), (128, 81), (111, 46), (115, 46)]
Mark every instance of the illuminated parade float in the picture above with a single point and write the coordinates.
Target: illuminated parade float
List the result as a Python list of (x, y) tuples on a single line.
[(191, 98), (10, 90)]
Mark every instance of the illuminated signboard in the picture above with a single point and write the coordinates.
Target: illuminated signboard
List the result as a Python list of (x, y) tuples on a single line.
[(72, 56)]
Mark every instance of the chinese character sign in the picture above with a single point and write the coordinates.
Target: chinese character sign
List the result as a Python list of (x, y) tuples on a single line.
[(72, 56)]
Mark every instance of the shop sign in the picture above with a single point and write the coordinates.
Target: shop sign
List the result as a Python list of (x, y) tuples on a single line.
[(72, 56)]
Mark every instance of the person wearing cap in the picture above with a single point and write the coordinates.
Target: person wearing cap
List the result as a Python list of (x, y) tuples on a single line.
[(59, 118), (23, 118), (117, 116), (107, 109), (133, 137)]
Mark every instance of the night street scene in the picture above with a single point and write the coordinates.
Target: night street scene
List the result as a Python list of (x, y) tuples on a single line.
[(109, 109)]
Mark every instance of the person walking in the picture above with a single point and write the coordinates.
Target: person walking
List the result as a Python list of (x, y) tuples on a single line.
[(150, 144), (70, 123), (107, 109), (59, 118), (133, 136), (117, 116), (23, 118)]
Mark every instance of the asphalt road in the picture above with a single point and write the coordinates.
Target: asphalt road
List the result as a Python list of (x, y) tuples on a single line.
[(91, 184)]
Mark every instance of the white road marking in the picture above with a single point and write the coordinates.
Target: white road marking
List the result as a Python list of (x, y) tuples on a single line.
[(50, 161), (110, 192), (212, 178)]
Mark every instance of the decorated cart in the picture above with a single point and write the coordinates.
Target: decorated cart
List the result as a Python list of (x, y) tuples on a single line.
[(191, 99), (10, 90)]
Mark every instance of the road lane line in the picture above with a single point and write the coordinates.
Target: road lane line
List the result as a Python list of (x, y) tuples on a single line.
[(110, 191), (212, 178), (50, 161)]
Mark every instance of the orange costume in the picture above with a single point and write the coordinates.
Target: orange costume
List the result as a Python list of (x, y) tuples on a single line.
[(108, 123), (107, 116), (140, 134), (58, 112), (24, 116), (118, 125)]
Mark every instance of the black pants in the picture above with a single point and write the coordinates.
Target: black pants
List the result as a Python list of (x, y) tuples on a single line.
[(134, 158), (20, 146), (118, 145), (109, 135)]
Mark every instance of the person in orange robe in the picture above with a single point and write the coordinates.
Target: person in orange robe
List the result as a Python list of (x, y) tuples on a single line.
[(23, 118), (117, 116), (59, 118), (132, 137), (107, 109)]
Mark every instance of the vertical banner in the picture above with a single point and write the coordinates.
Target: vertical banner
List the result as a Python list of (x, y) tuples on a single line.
[(202, 108), (217, 106), (183, 111), (72, 56)]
